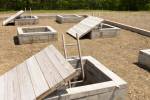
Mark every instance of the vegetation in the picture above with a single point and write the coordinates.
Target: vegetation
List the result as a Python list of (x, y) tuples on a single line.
[(75, 4)]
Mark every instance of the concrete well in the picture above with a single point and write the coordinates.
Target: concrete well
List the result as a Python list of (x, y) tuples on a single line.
[(36, 34), (68, 18), (144, 58), (100, 84), (26, 20), (104, 31)]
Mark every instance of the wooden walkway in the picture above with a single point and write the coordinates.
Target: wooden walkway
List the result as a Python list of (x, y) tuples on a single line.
[(36, 77), (84, 26)]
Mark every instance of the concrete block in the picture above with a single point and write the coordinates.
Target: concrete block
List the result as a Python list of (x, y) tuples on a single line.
[(144, 57), (68, 18), (104, 31), (100, 84), (26, 20), (128, 27), (36, 34)]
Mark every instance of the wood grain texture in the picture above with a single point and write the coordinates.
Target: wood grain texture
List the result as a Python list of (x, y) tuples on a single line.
[(26, 89), (39, 83)]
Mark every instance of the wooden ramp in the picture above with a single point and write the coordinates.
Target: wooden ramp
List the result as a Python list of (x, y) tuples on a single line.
[(36, 77), (84, 26), (11, 18)]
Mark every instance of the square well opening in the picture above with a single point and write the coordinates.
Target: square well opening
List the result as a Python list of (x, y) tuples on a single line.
[(36, 29), (92, 76)]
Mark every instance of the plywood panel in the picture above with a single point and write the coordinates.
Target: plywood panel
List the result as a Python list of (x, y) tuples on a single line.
[(39, 83), (26, 89), (50, 72), (13, 89), (84, 26), (2, 85), (11, 18)]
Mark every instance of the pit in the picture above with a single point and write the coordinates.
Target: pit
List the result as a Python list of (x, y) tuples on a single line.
[(28, 35), (103, 31), (100, 84), (68, 18), (26, 20)]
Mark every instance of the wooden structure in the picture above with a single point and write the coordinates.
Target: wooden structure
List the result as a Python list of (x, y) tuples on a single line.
[(100, 84), (77, 44), (18, 19), (85, 26), (36, 34), (12, 18), (36, 77)]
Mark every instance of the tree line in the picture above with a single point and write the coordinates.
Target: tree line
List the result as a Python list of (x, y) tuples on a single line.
[(75, 4)]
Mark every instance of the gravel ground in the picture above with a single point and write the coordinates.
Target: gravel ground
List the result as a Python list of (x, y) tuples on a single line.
[(119, 54)]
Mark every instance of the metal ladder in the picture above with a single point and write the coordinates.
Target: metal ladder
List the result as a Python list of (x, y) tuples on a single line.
[(79, 56)]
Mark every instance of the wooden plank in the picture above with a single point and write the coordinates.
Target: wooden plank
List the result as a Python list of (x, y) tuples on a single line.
[(13, 89), (57, 64), (5, 22), (38, 81), (65, 71), (2, 85), (61, 59), (26, 89), (84, 26), (50, 72)]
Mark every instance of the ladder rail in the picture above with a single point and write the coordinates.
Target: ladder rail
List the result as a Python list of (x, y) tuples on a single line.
[(64, 46), (79, 56)]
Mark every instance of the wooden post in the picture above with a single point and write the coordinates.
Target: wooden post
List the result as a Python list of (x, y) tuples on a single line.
[(64, 46), (79, 51)]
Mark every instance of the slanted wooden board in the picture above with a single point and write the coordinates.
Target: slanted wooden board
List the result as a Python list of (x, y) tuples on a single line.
[(36, 77), (11, 18), (84, 26)]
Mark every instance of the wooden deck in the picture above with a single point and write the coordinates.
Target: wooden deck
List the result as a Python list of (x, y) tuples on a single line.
[(36, 77), (84, 26)]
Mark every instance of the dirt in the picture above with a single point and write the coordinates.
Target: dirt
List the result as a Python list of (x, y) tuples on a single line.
[(119, 54)]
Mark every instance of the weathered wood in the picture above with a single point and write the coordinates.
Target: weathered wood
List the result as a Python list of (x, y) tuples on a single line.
[(36, 77), (39, 83), (60, 64), (84, 26), (2, 87), (61, 59), (26, 87), (11, 18), (50, 72), (13, 89)]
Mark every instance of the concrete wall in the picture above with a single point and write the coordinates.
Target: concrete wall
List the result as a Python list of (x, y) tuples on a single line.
[(107, 31), (106, 86), (69, 19), (128, 27), (144, 58), (26, 21), (46, 34)]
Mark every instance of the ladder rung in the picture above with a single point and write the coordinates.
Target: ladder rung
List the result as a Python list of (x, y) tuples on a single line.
[(77, 82), (72, 57), (73, 44)]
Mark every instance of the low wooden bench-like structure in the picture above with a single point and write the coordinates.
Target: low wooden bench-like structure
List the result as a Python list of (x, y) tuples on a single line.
[(36, 77)]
